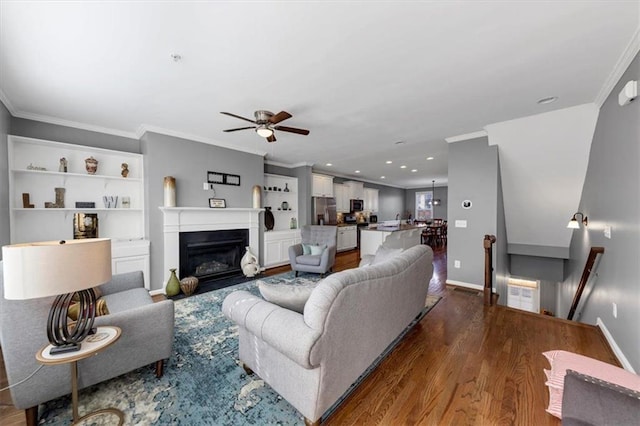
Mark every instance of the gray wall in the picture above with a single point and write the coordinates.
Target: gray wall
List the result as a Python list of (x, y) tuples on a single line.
[(5, 121), (441, 192), (188, 162), (501, 263), (473, 175), (390, 201), (611, 195)]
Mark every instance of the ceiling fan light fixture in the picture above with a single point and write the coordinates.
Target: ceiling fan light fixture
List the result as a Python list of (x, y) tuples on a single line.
[(264, 131)]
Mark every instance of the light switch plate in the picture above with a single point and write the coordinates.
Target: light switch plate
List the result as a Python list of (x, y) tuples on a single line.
[(461, 223), (456, 264), (607, 231)]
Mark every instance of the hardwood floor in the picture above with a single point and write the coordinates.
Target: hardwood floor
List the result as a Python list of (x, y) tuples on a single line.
[(463, 364)]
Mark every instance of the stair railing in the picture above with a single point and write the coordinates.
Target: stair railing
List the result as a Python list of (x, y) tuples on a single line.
[(593, 253), (488, 242)]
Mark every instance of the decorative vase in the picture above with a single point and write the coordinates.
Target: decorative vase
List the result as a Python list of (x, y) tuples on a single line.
[(249, 263), (189, 285), (285, 205), (257, 194), (293, 224), (286, 187), (269, 220), (169, 191), (173, 285), (59, 197), (91, 164)]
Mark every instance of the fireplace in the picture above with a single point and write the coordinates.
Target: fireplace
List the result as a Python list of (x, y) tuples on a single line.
[(212, 255)]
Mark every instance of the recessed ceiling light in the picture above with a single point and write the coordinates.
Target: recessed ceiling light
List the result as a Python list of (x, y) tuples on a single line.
[(357, 171), (176, 57), (382, 177), (389, 161), (414, 170), (329, 164), (403, 167), (429, 158), (549, 100), (400, 143)]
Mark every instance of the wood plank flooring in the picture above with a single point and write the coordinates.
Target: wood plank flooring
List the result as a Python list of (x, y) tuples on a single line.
[(463, 364)]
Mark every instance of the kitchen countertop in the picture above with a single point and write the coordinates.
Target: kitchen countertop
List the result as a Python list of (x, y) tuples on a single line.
[(403, 227)]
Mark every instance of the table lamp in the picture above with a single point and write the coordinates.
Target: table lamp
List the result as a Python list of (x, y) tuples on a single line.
[(59, 268)]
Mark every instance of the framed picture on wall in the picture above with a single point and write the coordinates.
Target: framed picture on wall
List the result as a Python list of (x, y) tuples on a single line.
[(217, 203)]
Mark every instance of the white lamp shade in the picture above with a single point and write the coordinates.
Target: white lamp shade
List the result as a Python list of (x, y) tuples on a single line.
[(48, 268), (573, 224)]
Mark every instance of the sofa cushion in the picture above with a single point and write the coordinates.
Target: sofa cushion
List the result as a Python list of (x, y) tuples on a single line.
[(383, 254), (100, 308), (590, 401), (309, 260), (288, 296)]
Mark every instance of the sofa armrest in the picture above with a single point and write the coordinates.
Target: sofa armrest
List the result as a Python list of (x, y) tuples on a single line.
[(283, 329), (122, 282), (329, 256)]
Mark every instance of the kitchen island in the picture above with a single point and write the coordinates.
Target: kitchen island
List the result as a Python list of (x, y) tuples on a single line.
[(395, 236)]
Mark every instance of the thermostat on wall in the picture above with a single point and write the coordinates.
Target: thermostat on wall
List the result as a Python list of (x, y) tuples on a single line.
[(466, 204)]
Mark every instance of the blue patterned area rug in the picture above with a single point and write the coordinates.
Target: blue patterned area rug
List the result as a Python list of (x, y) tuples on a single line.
[(203, 383)]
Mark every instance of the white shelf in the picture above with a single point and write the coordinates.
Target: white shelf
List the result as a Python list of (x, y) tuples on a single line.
[(72, 175), (81, 210)]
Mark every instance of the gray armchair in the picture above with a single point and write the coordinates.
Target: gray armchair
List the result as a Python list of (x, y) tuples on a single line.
[(318, 263), (147, 337)]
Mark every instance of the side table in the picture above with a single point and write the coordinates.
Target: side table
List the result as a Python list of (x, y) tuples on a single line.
[(91, 345)]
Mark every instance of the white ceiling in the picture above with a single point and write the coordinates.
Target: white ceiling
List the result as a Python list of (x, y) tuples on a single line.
[(359, 75)]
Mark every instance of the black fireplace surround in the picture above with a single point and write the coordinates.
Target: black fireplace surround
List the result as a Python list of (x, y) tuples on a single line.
[(212, 255)]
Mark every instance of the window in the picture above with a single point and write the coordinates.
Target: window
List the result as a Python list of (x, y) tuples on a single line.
[(424, 208)]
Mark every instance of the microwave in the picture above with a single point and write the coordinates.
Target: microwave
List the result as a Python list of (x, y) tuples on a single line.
[(356, 205)]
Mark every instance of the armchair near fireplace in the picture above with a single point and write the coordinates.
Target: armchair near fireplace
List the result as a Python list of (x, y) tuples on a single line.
[(321, 236), (147, 338)]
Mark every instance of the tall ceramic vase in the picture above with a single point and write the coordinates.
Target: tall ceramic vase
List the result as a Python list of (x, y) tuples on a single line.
[(170, 192), (257, 195), (173, 285)]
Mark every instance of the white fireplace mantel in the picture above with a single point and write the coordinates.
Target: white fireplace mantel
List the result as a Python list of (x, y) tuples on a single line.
[(192, 219)]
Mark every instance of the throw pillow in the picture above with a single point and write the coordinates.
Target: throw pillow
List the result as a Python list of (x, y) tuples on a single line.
[(383, 254), (315, 250), (306, 249), (292, 297), (96, 291), (101, 309)]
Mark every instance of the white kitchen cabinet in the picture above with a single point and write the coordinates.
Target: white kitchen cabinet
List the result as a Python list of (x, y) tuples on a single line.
[(35, 172), (276, 246), (370, 200), (281, 194), (322, 186), (342, 198), (347, 238), (355, 190)]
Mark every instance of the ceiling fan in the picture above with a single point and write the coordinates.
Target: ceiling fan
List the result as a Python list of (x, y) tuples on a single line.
[(265, 124)]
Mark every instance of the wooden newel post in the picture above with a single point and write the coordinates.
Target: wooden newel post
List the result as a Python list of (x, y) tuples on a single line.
[(488, 269)]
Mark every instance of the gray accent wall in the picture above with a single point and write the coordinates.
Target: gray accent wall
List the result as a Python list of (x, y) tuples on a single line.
[(611, 196), (5, 122), (188, 162), (501, 262), (441, 192), (473, 175)]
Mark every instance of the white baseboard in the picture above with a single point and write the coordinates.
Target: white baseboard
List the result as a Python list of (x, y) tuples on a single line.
[(156, 292), (467, 285), (616, 349)]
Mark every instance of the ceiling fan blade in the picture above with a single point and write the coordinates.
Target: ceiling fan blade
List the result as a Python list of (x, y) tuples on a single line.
[(271, 138), (292, 130), (239, 128), (237, 116), (281, 116)]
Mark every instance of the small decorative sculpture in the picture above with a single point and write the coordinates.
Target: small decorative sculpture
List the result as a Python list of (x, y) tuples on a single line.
[(91, 164), (63, 165), (188, 285), (125, 170), (249, 264)]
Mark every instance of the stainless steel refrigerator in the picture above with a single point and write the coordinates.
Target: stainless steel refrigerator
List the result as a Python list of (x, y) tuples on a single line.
[(324, 211)]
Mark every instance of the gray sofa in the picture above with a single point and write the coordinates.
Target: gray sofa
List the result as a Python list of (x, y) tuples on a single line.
[(147, 337), (326, 235), (350, 318)]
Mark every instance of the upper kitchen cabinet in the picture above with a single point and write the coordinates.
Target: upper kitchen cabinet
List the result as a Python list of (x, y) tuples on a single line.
[(370, 199), (322, 186), (355, 190), (341, 195)]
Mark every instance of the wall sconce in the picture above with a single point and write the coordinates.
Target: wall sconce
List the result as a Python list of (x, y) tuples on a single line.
[(573, 223)]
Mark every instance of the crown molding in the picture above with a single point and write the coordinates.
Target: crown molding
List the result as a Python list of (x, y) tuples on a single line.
[(74, 124), (467, 136), (287, 165), (7, 103), (623, 63), (144, 128), (356, 178)]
